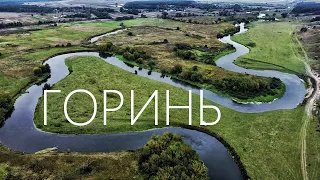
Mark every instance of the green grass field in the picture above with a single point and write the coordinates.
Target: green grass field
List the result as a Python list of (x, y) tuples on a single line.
[(273, 47), (268, 143)]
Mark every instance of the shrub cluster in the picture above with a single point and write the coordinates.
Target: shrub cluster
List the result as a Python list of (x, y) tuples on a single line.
[(129, 53), (228, 31), (193, 75), (176, 69), (168, 157), (135, 54), (5, 105), (246, 88), (42, 69), (207, 55)]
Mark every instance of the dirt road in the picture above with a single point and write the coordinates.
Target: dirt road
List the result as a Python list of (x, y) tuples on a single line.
[(309, 110)]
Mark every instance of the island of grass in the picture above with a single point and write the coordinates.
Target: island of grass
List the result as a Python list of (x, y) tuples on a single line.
[(262, 141)]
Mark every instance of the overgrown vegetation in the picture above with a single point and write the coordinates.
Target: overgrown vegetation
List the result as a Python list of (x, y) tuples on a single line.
[(229, 31), (244, 88), (72, 166), (6, 105), (202, 54), (42, 69), (168, 157)]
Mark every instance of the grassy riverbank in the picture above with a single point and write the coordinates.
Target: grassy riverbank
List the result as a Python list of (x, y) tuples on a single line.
[(263, 141), (271, 47), (15, 165)]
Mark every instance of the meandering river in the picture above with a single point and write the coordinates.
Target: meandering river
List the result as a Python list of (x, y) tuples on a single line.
[(19, 132)]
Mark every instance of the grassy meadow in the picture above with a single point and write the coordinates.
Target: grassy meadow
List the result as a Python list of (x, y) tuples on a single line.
[(268, 143), (271, 47)]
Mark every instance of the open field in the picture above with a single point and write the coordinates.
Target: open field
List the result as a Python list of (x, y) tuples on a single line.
[(271, 47), (263, 141)]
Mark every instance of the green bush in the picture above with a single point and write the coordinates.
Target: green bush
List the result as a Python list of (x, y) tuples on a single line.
[(243, 87), (252, 44), (45, 68), (6, 104), (176, 69), (37, 71), (168, 157)]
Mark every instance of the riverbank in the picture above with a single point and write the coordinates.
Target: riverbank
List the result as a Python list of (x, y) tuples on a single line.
[(18, 165)]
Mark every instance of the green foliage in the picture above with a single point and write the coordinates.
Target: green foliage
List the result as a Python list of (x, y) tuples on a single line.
[(5, 104), (42, 69), (37, 71), (46, 86), (131, 54), (228, 31), (246, 88), (106, 47), (176, 69), (193, 76), (168, 157), (186, 54), (252, 44)]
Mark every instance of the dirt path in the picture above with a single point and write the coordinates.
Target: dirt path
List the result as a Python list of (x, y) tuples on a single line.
[(309, 109)]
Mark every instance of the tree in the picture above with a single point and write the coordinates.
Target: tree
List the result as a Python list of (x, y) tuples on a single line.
[(284, 15), (130, 34), (168, 157), (165, 41), (121, 9)]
